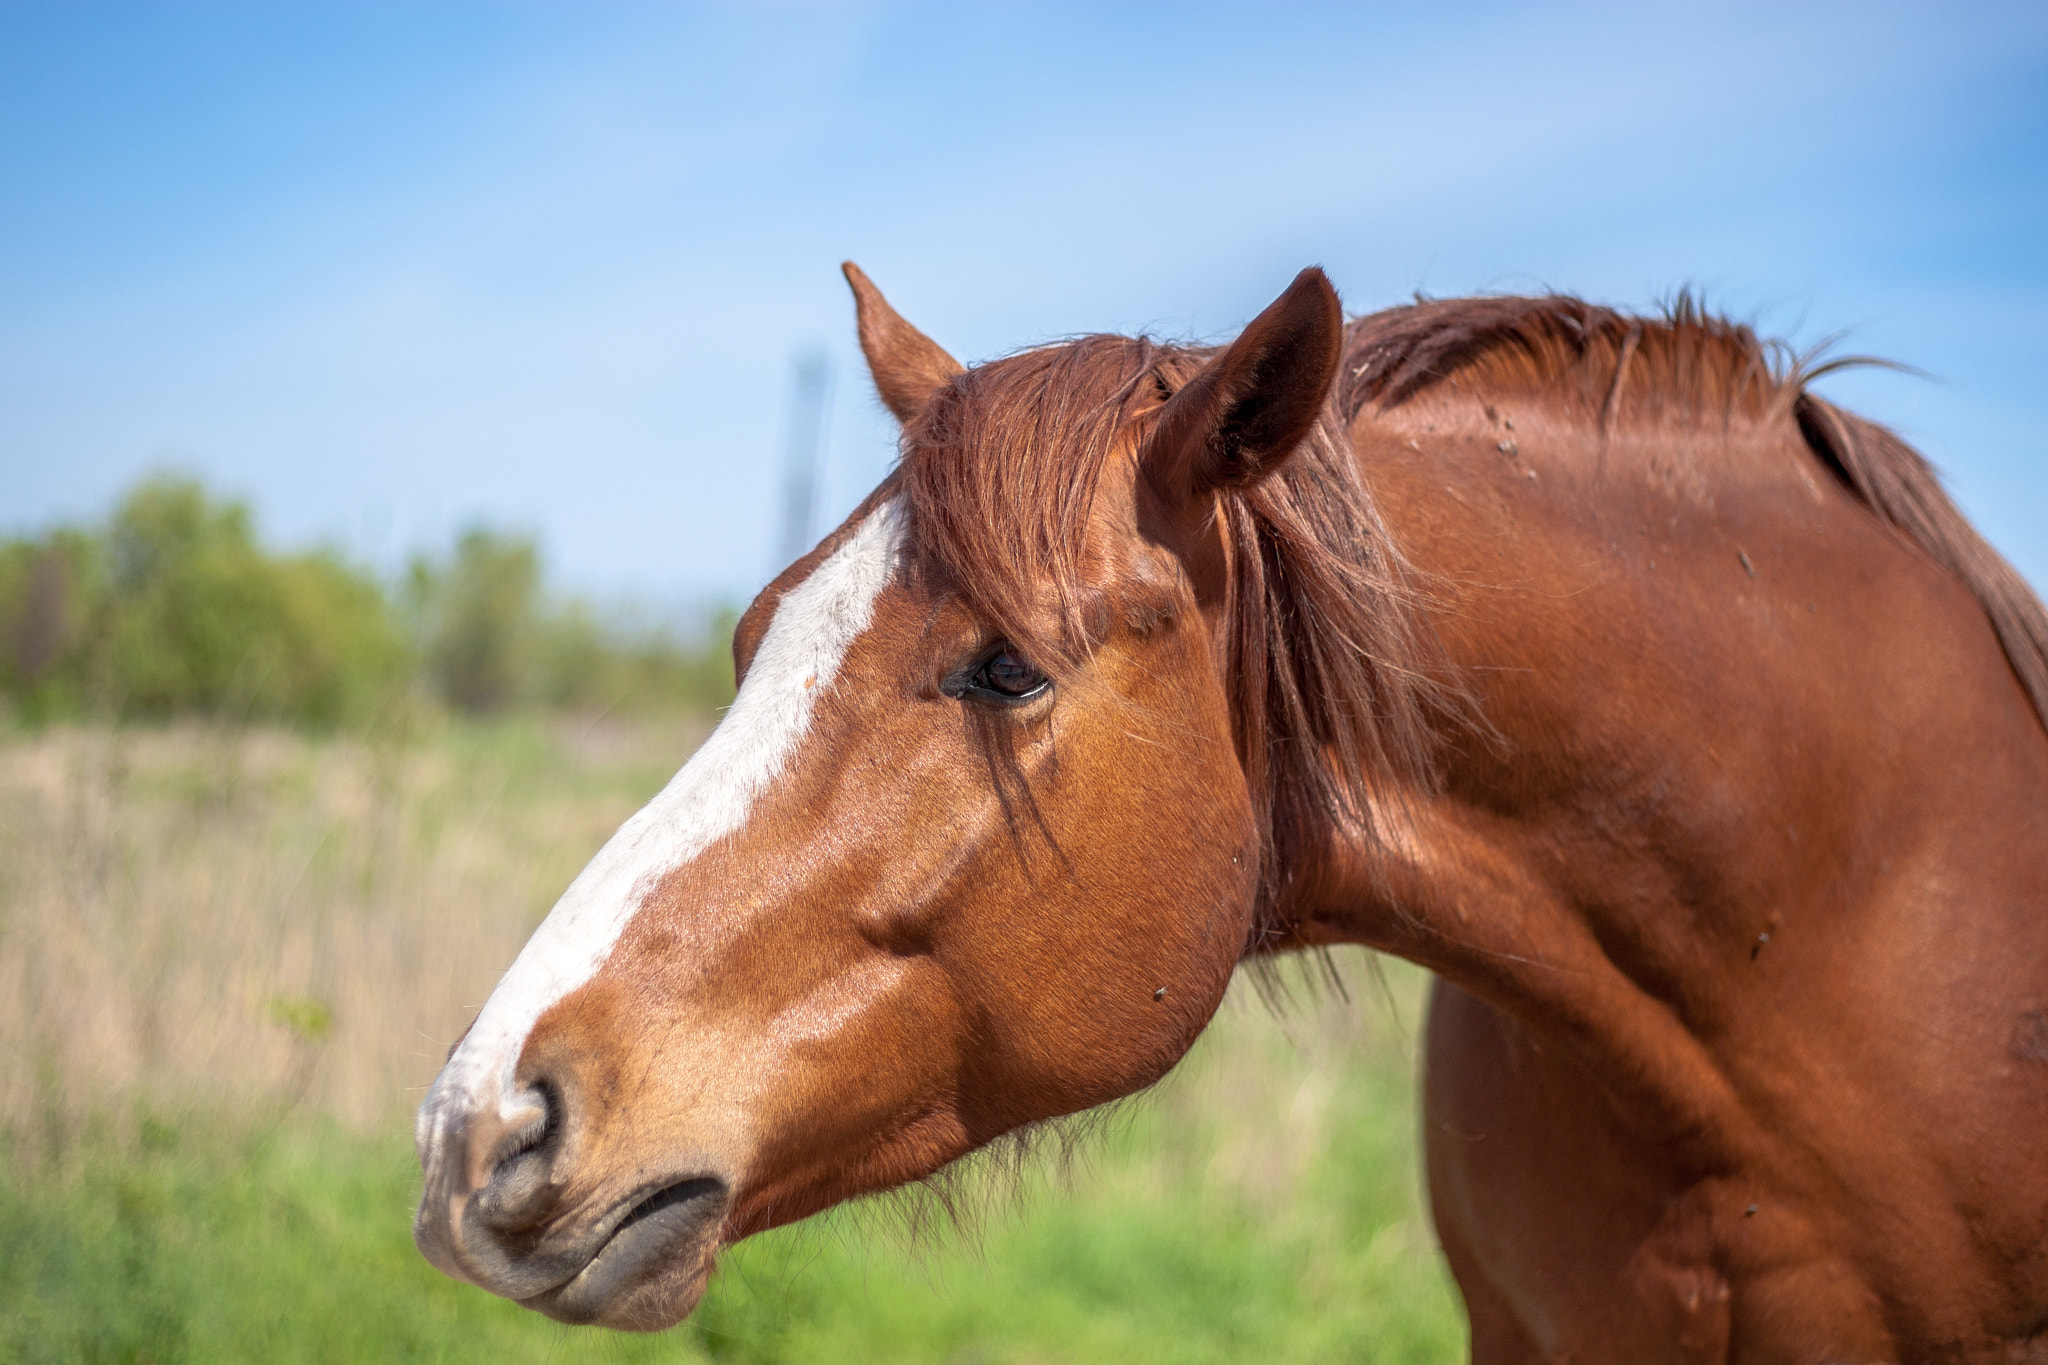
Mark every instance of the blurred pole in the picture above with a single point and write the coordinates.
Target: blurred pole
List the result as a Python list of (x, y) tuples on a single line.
[(812, 385)]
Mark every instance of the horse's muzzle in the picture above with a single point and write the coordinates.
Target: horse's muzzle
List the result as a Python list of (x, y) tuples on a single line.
[(651, 1270), (498, 1212)]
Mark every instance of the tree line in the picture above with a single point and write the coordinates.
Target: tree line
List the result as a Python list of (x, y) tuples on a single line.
[(173, 606)]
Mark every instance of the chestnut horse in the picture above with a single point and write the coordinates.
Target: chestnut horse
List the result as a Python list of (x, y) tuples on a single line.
[(1671, 716)]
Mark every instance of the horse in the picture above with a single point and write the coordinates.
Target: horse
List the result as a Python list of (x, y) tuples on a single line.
[(1670, 715)]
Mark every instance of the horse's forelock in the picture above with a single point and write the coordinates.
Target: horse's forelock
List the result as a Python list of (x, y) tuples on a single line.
[(1000, 473), (1328, 672)]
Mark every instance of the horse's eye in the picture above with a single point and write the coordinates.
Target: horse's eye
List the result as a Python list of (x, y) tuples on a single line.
[(1009, 676)]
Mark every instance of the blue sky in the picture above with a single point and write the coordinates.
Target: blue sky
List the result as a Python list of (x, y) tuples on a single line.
[(388, 269)]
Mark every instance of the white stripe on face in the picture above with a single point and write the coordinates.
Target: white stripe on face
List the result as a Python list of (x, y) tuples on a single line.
[(812, 629)]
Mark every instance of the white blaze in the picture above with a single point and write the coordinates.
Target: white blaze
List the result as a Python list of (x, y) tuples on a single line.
[(812, 629)]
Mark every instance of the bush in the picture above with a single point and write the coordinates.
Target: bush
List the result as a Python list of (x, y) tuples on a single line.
[(491, 642), (480, 619), (590, 661), (174, 607)]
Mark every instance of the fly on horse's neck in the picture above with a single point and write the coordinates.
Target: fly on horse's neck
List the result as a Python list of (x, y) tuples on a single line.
[(1673, 717)]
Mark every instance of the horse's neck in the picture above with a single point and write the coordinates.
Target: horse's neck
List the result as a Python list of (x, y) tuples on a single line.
[(1730, 709)]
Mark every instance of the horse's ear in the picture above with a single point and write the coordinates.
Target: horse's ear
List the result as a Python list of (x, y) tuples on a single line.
[(908, 366), (1247, 411)]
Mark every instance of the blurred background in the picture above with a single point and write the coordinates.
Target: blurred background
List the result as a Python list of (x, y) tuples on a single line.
[(397, 401)]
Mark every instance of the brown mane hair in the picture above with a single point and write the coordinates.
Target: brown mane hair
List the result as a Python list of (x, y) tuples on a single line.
[(1608, 366), (1327, 669), (1687, 365)]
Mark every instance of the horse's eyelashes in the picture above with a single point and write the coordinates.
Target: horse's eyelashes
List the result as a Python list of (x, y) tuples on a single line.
[(1002, 678)]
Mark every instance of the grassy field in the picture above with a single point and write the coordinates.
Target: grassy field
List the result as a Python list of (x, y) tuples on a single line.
[(231, 960)]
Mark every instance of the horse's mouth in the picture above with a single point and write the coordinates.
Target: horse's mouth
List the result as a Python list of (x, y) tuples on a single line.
[(651, 1271)]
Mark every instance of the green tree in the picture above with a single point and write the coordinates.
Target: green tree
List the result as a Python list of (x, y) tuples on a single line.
[(175, 608), (48, 589), (481, 618)]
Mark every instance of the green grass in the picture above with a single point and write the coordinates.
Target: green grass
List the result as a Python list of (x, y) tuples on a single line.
[(1187, 1230)]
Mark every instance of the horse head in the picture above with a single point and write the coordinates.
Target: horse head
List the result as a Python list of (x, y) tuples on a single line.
[(976, 846)]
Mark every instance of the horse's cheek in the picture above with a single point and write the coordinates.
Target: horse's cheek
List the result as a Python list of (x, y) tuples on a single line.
[(1172, 900)]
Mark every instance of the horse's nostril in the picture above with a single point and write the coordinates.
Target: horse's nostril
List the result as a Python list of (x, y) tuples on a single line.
[(519, 1187)]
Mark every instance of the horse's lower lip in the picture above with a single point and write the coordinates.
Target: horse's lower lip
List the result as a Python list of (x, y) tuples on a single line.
[(649, 1251)]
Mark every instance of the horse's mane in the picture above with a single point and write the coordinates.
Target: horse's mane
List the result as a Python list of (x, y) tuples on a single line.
[(1607, 366), (1619, 371)]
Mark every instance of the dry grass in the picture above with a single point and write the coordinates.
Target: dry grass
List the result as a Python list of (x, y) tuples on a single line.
[(246, 922)]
